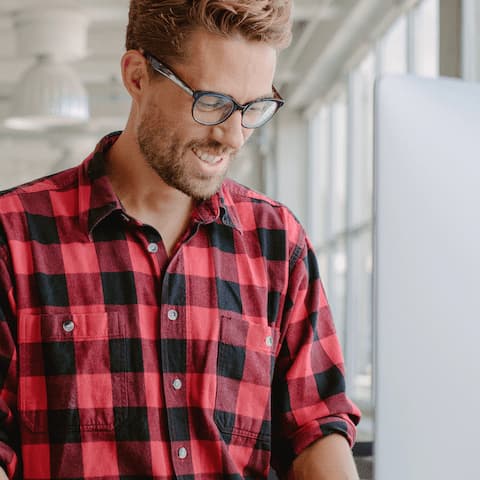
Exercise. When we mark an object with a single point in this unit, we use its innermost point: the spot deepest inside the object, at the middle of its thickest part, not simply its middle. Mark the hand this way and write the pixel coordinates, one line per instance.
(3, 475)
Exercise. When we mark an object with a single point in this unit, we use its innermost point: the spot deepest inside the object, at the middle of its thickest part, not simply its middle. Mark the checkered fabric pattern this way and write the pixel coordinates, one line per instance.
(119, 362)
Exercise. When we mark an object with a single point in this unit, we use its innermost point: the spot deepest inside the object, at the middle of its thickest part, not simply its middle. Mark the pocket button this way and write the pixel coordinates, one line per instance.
(68, 326)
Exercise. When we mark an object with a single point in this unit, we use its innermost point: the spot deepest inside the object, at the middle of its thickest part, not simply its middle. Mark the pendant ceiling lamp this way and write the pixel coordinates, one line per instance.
(48, 95)
(50, 92)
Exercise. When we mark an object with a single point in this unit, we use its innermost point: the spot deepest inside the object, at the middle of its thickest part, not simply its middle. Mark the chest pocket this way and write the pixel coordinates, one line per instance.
(245, 365)
(67, 377)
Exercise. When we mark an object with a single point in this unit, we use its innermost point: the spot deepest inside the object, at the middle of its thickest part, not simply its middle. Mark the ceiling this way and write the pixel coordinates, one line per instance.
(326, 33)
(316, 22)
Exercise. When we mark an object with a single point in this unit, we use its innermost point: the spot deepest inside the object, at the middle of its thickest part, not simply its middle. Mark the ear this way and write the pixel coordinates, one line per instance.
(134, 73)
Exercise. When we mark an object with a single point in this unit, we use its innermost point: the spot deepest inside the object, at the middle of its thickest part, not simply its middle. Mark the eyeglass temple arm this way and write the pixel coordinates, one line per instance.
(166, 72)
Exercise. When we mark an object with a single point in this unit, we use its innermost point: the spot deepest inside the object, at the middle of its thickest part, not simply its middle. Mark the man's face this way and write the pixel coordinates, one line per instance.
(190, 157)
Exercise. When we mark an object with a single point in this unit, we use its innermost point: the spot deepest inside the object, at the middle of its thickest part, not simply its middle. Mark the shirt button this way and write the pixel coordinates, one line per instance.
(177, 384)
(182, 453)
(68, 325)
(152, 248)
(172, 314)
(269, 341)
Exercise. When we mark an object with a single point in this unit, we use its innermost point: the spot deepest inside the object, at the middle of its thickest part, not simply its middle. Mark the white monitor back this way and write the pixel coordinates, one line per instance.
(427, 279)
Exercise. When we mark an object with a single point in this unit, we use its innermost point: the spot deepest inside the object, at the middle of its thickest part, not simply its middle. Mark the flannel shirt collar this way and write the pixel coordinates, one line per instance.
(215, 209)
(97, 200)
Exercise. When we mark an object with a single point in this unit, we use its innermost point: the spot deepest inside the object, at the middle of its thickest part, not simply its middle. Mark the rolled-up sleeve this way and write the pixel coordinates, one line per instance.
(309, 400)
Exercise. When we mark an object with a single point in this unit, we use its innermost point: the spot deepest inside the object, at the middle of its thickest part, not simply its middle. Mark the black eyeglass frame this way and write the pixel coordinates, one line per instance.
(167, 72)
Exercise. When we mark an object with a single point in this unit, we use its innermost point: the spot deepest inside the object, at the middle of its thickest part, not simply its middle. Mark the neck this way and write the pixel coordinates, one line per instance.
(143, 194)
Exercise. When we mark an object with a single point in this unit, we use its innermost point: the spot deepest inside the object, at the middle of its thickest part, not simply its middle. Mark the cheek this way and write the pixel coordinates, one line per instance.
(172, 117)
(158, 107)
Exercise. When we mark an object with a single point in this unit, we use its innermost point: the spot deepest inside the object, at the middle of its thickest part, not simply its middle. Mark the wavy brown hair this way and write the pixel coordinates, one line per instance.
(162, 26)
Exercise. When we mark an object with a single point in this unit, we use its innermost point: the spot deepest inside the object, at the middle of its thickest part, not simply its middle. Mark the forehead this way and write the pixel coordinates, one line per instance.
(241, 68)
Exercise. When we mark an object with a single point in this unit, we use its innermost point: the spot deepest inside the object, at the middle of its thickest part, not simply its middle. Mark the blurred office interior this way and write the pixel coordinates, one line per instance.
(316, 156)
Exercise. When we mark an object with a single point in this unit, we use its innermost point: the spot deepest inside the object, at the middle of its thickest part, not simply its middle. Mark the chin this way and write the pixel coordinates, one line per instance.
(205, 193)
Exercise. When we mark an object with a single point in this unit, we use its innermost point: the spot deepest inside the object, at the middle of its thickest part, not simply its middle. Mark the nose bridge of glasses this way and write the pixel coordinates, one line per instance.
(227, 118)
(243, 109)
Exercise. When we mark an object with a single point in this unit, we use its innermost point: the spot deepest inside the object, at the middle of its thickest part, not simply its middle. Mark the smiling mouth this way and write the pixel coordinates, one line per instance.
(207, 157)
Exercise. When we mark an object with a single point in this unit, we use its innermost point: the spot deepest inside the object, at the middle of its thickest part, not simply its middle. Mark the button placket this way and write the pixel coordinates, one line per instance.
(173, 356)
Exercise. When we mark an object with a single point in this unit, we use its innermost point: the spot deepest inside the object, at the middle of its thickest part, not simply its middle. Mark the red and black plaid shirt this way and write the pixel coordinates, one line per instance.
(117, 362)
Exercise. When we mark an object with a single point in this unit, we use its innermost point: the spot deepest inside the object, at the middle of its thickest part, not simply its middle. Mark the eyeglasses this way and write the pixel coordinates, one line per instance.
(212, 108)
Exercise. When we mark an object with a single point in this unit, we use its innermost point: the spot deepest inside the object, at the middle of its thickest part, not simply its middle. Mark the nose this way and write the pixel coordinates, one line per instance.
(231, 133)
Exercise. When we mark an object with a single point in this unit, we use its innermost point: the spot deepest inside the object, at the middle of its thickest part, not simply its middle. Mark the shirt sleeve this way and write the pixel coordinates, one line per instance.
(308, 396)
(8, 370)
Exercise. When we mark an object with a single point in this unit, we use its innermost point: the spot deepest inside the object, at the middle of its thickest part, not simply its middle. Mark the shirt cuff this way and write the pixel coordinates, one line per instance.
(318, 429)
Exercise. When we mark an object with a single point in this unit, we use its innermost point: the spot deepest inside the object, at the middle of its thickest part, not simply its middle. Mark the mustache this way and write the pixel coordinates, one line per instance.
(213, 147)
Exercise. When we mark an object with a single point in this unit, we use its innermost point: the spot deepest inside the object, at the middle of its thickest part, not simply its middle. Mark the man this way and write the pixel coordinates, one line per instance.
(156, 320)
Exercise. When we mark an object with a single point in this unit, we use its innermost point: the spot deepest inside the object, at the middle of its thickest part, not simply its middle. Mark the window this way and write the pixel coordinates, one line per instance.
(328, 156)
(319, 173)
(338, 179)
(425, 38)
(393, 48)
(361, 84)
(341, 187)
